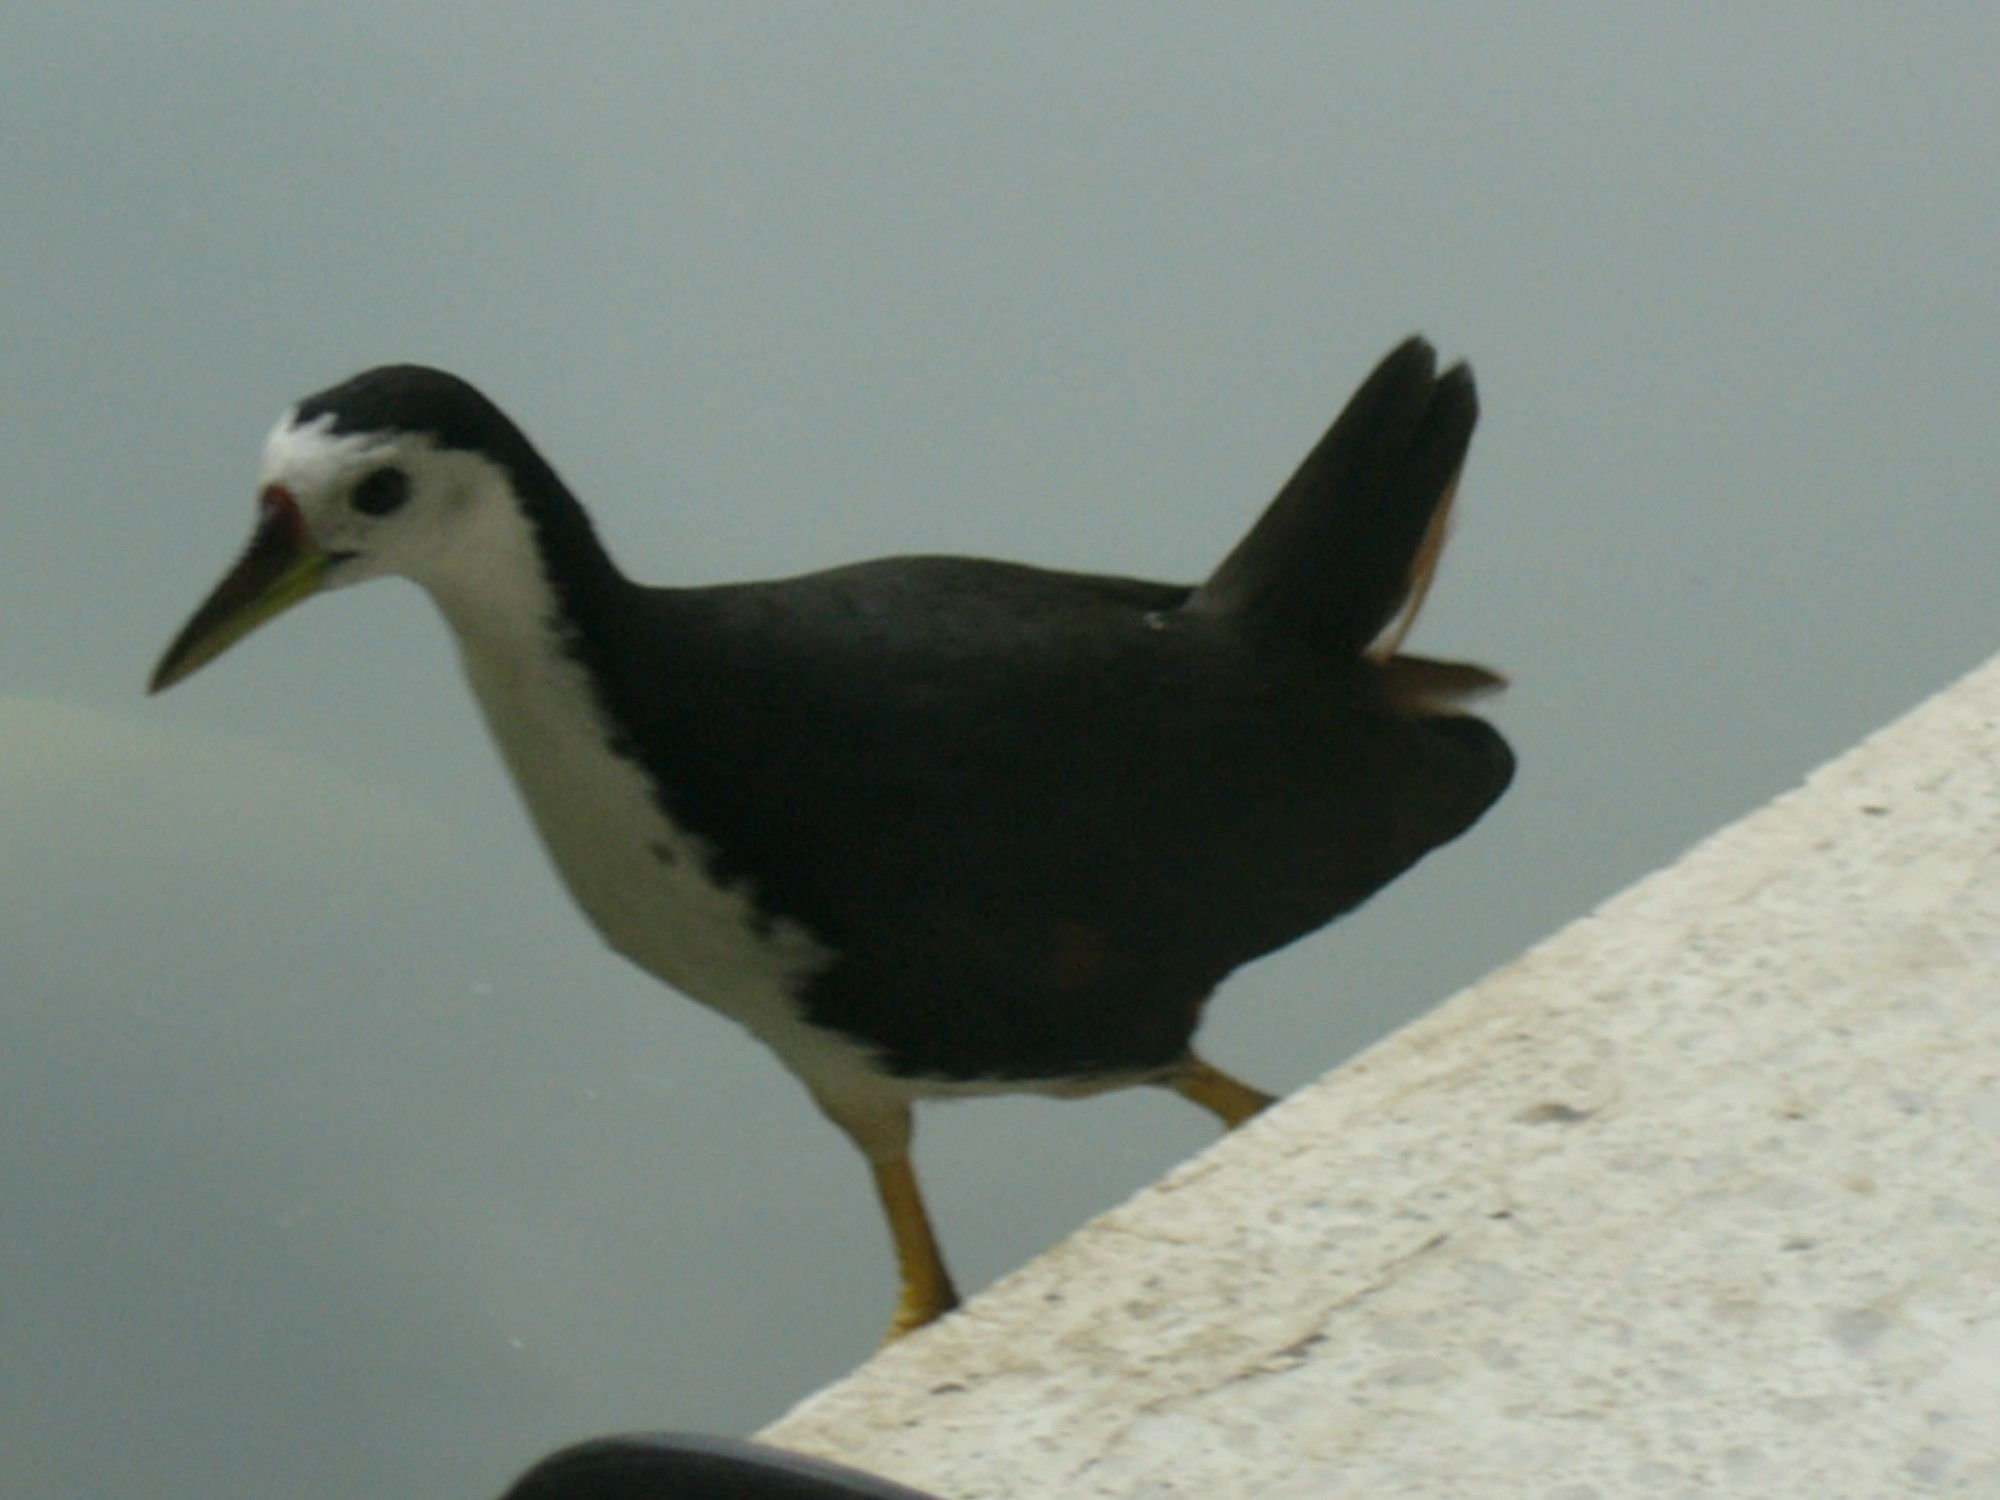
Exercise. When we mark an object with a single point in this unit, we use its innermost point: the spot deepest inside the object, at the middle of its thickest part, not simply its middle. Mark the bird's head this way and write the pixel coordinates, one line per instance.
(402, 470)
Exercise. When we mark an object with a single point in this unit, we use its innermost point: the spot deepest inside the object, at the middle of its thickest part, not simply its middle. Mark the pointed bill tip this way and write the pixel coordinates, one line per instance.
(281, 566)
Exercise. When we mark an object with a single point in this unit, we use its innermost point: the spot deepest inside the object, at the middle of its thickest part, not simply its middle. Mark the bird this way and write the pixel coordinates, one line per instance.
(926, 826)
(694, 1466)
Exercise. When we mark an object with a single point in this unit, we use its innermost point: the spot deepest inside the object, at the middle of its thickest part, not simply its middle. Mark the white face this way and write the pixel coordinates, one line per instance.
(334, 509)
(386, 503)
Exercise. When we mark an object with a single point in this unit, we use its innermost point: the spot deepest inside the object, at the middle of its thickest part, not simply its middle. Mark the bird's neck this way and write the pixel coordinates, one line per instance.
(532, 599)
(552, 641)
(527, 579)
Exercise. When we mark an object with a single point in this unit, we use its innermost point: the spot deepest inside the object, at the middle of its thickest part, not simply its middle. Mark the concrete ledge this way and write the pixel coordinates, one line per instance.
(1700, 1196)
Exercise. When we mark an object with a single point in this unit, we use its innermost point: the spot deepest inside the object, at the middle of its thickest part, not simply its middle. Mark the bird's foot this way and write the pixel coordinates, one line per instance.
(927, 1293)
(917, 1306)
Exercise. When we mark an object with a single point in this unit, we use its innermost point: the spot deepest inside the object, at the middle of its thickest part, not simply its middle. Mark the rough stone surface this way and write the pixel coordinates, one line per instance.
(1699, 1197)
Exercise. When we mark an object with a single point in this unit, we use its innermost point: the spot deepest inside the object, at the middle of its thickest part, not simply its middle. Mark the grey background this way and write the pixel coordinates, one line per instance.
(336, 1156)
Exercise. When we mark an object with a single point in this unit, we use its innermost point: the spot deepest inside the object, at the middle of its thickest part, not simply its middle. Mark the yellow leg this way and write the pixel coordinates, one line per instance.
(1229, 1100)
(927, 1290)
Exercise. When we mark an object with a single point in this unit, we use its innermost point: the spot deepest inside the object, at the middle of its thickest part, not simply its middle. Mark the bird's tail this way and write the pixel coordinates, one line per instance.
(1341, 560)
(1420, 685)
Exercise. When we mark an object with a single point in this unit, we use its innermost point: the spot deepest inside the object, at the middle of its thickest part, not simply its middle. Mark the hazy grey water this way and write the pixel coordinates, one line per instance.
(336, 1156)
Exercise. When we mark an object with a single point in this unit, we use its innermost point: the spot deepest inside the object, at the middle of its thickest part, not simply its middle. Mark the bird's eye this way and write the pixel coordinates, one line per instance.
(382, 492)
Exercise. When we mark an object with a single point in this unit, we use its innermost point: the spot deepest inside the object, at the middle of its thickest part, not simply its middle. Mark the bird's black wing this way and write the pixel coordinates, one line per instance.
(1038, 815)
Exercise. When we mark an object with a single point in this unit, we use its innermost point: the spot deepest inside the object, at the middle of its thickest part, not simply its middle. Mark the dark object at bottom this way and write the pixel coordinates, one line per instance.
(688, 1466)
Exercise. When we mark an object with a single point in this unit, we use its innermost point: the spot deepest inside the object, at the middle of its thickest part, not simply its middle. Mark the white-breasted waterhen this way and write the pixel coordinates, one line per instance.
(927, 826)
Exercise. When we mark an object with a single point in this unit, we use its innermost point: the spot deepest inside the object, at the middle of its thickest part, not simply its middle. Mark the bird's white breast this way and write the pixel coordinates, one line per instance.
(643, 881)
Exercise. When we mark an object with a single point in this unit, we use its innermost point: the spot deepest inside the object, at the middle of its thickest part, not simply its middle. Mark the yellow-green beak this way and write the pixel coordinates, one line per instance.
(281, 566)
